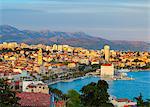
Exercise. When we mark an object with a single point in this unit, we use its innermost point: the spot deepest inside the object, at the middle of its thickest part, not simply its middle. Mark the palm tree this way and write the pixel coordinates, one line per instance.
(139, 100)
(57, 93)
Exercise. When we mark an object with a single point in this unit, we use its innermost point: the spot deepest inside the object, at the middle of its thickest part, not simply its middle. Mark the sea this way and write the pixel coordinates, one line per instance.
(117, 88)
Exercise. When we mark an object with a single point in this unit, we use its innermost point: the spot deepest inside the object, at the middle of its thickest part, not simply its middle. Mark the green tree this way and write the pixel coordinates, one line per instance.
(73, 99)
(95, 66)
(95, 95)
(57, 92)
(7, 97)
(81, 67)
(147, 103)
(139, 99)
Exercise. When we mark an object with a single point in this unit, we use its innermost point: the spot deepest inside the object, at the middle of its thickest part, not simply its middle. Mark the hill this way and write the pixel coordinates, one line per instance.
(77, 39)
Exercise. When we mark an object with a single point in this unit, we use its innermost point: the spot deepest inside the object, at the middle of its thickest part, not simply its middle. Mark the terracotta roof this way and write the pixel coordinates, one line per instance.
(34, 99)
(123, 100)
(59, 103)
(17, 82)
(106, 64)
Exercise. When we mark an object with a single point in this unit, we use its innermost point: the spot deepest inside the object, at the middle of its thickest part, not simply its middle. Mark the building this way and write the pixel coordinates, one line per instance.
(15, 86)
(40, 57)
(84, 61)
(71, 65)
(59, 104)
(30, 99)
(60, 47)
(107, 70)
(55, 47)
(94, 62)
(123, 102)
(107, 52)
(35, 86)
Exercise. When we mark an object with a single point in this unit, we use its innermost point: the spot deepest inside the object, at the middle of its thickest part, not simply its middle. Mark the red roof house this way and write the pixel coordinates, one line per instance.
(30, 99)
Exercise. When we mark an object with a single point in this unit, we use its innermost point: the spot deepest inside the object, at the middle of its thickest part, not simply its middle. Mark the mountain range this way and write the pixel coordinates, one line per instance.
(77, 39)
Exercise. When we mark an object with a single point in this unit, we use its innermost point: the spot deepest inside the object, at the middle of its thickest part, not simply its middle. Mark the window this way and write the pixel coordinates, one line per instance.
(32, 90)
(16, 87)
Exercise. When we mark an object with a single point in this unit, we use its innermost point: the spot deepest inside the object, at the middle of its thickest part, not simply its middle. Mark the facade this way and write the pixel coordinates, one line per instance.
(15, 86)
(71, 65)
(107, 70)
(107, 52)
(60, 47)
(94, 62)
(84, 61)
(40, 57)
(35, 86)
(55, 47)
(123, 102)
(59, 104)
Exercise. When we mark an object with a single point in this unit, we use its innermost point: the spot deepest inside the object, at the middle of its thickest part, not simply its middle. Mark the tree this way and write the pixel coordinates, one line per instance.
(139, 100)
(1, 59)
(95, 66)
(87, 96)
(95, 95)
(103, 95)
(57, 92)
(58, 95)
(81, 67)
(73, 99)
(147, 103)
(7, 97)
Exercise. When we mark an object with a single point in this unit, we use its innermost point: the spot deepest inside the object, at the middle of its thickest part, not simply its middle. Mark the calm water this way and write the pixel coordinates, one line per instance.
(120, 88)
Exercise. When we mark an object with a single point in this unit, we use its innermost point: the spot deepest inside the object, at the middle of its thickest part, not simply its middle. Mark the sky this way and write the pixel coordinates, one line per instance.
(109, 19)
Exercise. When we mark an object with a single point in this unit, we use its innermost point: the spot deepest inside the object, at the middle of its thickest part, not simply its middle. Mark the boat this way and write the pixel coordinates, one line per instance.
(82, 77)
(124, 74)
(123, 70)
(95, 76)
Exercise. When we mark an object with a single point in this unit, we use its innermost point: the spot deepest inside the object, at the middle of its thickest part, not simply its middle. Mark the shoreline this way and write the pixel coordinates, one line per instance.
(69, 80)
(73, 79)
(138, 70)
(111, 92)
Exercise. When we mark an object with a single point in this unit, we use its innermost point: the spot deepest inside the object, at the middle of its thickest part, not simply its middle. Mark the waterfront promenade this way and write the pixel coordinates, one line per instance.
(120, 89)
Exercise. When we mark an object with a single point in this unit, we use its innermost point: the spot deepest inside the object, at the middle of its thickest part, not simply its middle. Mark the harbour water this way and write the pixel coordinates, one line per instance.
(119, 88)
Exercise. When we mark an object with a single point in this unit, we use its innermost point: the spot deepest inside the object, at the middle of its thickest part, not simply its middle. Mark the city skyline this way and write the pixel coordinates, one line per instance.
(75, 53)
(114, 20)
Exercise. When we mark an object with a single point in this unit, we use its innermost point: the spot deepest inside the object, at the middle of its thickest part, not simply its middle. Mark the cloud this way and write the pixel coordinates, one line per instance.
(110, 17)
(78, 6)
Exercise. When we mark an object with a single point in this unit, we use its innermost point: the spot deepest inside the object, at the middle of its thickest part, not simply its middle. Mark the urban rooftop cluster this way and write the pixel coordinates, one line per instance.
(30, 68)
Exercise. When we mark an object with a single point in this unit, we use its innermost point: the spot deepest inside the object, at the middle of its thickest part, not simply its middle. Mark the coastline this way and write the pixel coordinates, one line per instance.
(69, 80)
(138, 70)
(115, 85)
(73, 79)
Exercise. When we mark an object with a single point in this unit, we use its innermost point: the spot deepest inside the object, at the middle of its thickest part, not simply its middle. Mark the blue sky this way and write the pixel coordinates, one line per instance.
(110, 19)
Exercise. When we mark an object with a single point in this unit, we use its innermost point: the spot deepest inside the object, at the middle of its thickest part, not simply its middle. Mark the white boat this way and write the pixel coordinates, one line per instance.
(123, 70)
(82, 77)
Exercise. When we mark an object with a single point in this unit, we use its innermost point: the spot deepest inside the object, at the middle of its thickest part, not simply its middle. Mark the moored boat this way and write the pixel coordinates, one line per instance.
(123, 70)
